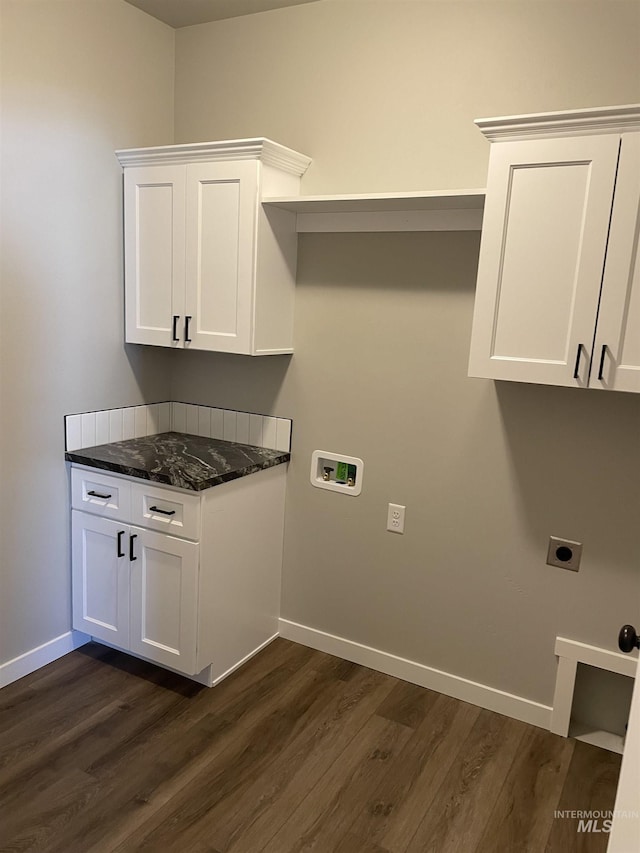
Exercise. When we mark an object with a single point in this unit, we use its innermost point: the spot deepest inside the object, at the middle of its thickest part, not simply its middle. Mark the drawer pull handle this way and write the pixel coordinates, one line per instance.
(131, 538)
(120, 535)
(163, 511)
(98, 495)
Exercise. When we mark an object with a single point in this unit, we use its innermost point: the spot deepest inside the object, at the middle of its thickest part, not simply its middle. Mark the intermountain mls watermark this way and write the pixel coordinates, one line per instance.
(595, 820)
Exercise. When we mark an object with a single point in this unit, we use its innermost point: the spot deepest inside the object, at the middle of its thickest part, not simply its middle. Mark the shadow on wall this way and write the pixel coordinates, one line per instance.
(418, 260)
(574, 456)
(150, 368)
(346, 304)
(242, 382)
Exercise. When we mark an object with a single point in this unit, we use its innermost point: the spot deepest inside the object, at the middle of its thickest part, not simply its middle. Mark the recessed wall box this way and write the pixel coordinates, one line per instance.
(564, 553)
(325, 466)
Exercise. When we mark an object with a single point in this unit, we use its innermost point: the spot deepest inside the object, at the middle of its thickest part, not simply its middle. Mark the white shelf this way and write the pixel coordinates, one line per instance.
(450, 210)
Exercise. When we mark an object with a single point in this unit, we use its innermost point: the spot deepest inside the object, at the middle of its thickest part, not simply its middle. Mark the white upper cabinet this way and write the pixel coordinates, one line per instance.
(206, 266)
(220, 255)
(558, 292)
(154, 237)
(617, 343)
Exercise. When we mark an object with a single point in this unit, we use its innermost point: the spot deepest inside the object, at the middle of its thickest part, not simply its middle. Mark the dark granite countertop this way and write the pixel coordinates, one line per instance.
(180, 460)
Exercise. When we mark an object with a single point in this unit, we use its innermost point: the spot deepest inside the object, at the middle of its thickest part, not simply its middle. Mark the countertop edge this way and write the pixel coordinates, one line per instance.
(77, 457)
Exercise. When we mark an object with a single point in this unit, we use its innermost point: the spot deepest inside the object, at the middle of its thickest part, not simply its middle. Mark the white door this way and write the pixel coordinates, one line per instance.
(164, 599)
(100, 574)
(617, 344)
(221, 223)
(625, 832)
(544, 239)
(154, 211)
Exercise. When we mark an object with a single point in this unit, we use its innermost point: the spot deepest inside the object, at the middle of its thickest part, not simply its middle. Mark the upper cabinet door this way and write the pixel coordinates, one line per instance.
(154, 209)
(221, 223)
(544, 240)
(617, 345)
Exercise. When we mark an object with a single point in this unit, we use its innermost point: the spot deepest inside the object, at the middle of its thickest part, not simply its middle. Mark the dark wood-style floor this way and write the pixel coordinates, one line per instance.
(297, 751)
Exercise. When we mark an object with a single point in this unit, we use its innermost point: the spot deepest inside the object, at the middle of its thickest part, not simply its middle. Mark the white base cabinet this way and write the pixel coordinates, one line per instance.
(558, 291)
(136, 589)
(200, 603)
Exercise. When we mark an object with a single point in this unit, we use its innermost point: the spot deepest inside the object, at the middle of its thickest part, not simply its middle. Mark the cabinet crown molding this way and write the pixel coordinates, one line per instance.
(266, 150)
(564, 123)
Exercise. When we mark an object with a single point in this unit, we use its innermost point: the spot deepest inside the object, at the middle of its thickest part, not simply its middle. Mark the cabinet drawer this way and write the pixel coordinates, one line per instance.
(165, 510)
(100, 494)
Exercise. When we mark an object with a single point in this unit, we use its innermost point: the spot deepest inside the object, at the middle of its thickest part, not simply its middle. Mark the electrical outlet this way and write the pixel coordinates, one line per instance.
(395, 518)
(564, 553)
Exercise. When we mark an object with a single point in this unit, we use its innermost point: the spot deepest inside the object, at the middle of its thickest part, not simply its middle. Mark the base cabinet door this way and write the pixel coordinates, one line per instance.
(100, 577)
(164, 599)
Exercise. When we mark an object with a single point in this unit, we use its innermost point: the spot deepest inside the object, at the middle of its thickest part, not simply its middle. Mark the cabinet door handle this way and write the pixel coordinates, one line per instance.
(187, 320)
(577, 367)
(174, 334)
(602, 357)
(163, 511)
(98, 495)
(120, 535)
(131, 538)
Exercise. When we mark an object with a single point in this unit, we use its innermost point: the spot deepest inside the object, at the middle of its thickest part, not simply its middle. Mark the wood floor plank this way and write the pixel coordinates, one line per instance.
(297, 750)
(81, 742)
(138, 777)
(408, 704)
(269, 802)
(457, 816)
(325, 815)
(38, 820)
(590, 786)
(38, 769)
(126, 721)
(20, 697)
(343, 670)
(227, 799)
(53, 717)
(390, 816)
(536, 775)
(157, 709)
(353, 844)
(44, 687)
(226, 706)
(219, 789)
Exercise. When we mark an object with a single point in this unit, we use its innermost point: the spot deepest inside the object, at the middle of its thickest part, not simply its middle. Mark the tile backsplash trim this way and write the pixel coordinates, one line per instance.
(92, 428)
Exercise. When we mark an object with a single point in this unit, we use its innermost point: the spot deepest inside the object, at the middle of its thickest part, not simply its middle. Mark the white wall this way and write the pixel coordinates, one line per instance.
(383, 95)
(79, 79)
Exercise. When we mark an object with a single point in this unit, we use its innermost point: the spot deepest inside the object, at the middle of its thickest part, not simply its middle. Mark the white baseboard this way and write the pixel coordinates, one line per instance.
(27, 663)
(417, 673)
